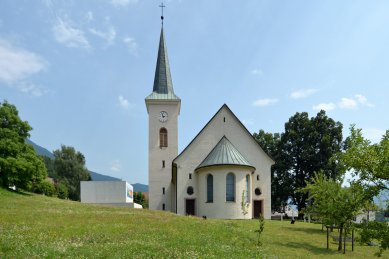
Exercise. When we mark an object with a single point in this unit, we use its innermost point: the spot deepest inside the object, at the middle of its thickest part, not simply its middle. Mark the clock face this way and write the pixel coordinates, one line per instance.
(163, 116)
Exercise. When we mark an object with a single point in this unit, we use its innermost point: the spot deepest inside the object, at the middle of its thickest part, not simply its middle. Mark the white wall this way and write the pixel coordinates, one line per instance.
(104, 191)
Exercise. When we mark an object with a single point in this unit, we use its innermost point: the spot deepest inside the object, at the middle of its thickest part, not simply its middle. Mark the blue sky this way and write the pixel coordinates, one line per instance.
(78, 71)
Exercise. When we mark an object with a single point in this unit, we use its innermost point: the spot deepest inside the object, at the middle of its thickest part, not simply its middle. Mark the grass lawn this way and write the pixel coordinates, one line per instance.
(38, 226)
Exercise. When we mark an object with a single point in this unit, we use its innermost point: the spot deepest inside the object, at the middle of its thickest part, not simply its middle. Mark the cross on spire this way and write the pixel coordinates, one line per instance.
(162, 6)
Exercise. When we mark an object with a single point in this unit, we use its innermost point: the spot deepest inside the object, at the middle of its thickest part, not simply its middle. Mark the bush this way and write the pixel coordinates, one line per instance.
(46, 188)
(62, 191)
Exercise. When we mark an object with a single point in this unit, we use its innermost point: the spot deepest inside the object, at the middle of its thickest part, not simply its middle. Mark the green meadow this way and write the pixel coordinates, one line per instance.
(38, 226)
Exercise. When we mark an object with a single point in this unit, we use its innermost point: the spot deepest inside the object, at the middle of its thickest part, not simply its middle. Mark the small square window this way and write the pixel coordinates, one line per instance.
(190, 176)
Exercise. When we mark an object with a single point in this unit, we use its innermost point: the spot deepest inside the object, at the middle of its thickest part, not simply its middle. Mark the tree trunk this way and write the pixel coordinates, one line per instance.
(340, 237)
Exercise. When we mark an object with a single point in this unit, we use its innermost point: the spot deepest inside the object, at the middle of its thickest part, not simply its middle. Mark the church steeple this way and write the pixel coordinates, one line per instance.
(163, 85)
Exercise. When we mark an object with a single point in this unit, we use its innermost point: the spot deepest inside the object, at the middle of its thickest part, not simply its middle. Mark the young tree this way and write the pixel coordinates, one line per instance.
(69, 165)
(19, 165)
(244, 205)
(334, 204)
(140, 199)
(370, 162)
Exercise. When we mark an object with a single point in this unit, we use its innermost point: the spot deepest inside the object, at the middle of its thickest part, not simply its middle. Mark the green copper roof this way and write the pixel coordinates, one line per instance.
(163, 86)
(224, 153)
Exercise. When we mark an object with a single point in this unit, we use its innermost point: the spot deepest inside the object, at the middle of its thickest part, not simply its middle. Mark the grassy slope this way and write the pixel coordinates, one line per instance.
(38, 226)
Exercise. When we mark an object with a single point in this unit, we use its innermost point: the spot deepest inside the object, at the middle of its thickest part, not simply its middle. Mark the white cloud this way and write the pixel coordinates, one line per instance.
(124, 103)
(131, 45)
(122, 3)
(324, 106)
(116, 166)
(265, 102)
(247, 122)
(257, 71)
(347, 103)
(17, 65)
(70, 36)
(108, 36)
(303, 93)
(373, 134)
(89, 16)
(363, 100)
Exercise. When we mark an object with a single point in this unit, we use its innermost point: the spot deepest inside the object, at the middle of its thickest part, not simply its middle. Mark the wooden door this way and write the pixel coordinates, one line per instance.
(190, 207)
(257, 209)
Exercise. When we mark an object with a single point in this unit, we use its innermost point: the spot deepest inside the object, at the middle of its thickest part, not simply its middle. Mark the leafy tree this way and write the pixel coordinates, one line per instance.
(45, 187)
(141, 199)
(62, 190)
(19, 165)
(306, 147)
(334, 204)
(374, 230)
(69, 165)
(370, 162)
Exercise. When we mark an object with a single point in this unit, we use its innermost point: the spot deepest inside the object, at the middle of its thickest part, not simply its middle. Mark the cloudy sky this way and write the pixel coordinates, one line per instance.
(78, 71)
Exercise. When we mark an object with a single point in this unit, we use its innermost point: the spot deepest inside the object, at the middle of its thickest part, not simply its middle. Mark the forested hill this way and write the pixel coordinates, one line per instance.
(138, 187)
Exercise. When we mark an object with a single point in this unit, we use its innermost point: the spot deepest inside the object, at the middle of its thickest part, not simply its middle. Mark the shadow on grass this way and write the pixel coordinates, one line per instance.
(20, 192)
(306, 230)
(311, 248)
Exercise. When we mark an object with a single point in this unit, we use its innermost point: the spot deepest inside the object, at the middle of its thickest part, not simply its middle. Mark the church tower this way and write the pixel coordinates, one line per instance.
(163, 108)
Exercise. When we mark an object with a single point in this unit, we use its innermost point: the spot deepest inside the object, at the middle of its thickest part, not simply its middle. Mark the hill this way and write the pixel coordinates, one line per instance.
(138, 187)
(40, 150)
(38, 226)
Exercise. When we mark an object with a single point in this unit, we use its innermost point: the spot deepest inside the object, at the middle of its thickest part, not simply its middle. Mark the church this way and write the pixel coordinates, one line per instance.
(222, 173)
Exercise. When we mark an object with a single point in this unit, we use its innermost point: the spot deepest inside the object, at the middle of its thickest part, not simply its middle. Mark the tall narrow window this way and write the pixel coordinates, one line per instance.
(190, 176)
(209, 188)
(163, 163)
(230, 187)
(163, 206)
(163, 137)
(257, 177)
(247, 188)
(163, 190)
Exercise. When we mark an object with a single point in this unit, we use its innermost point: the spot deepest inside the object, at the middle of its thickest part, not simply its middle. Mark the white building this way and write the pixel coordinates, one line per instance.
(210, 175)
(116, 193)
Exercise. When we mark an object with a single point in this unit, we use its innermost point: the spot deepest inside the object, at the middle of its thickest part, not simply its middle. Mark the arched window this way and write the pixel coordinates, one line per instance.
(163, 137)
(247, 188)
(210, 188)
(230, 187)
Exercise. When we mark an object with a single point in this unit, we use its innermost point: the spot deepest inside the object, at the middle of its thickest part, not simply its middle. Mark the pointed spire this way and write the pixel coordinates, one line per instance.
(162, 80)
(163, 86)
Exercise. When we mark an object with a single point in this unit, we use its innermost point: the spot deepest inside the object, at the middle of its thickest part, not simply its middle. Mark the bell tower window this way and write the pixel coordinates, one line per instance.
(163, 137)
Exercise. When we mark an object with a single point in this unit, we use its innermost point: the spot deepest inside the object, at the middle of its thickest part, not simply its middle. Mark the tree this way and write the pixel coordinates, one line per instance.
(244, 205)
(140, 199)
(19, 165)
(334, 204)
(307, 146)
(369, 162)
(69, 165)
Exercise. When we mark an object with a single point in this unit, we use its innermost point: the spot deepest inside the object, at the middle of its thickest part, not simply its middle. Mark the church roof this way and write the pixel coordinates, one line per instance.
(163, 86)
(224, 153)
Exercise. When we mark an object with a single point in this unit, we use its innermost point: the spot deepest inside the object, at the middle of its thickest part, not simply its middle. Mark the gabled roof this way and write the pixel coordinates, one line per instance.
(247, 131)
(224, 153)
(163, 86)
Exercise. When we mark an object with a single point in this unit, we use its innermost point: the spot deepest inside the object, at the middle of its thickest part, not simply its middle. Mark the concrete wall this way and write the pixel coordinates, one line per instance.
(224, 123)
(104, 192)
(159, 176)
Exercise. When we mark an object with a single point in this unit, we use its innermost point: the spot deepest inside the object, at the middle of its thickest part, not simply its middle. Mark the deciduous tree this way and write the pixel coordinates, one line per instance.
(19, 165)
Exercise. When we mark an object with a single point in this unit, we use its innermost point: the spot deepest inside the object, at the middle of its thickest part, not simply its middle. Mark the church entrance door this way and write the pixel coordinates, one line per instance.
(257, 209)
(190, 207)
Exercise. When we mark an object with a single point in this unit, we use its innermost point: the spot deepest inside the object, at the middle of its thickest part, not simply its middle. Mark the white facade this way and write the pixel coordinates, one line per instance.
(224, 123)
